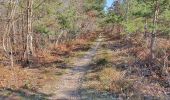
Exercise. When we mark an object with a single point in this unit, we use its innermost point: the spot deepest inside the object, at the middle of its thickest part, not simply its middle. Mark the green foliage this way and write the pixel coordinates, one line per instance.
(113, 18)
(94, 5)
(63, 21)
(133, 17)
(42, 29)
(54, 16)
(139, 9)
(102, 62)
(67, 18)
(132, 26)
(165, 15)
(46, 15)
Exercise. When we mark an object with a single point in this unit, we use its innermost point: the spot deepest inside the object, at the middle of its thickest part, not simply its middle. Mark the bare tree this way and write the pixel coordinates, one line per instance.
(10, 30)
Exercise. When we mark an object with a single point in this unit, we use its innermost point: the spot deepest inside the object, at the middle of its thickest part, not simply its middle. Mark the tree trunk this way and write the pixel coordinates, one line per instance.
(58, 38)
(153, 34)
(29, 48)
(9, 31)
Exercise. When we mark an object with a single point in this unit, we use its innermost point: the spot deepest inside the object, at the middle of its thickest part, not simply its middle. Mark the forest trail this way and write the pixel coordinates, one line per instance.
(69, 86)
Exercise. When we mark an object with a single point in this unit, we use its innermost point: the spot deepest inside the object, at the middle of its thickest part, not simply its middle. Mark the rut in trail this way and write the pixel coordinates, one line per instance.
(69, 85)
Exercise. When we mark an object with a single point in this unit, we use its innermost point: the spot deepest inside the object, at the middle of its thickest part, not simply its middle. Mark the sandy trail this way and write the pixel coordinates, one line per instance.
(70, 83)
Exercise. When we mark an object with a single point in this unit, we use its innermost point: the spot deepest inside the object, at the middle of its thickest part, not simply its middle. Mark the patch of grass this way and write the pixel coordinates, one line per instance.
(17, 77)
(79, 53)
(103, 57)
(22, 94)
(113, 80)
(108, 76)
(104, 74)
(108, 79)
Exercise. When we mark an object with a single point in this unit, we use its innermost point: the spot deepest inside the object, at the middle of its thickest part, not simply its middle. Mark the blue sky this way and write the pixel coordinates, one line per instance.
(108, 3)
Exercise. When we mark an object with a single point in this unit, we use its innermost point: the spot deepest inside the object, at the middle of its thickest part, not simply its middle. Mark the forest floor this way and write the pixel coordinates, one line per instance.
(78, 83)
(73, 84)
(68, 87)
(106, 69)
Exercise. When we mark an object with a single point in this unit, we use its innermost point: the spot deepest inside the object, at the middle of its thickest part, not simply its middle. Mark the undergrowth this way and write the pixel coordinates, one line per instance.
(48, 65)
(125, 69)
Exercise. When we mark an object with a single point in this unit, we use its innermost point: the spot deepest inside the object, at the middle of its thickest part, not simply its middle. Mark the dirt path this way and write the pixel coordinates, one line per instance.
(70, 83)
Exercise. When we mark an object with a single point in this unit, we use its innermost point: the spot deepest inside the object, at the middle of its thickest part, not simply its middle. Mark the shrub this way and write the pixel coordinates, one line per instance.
(102, 61)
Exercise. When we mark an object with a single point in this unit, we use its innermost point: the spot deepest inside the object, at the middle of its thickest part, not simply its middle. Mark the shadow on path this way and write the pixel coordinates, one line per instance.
(22, 94)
